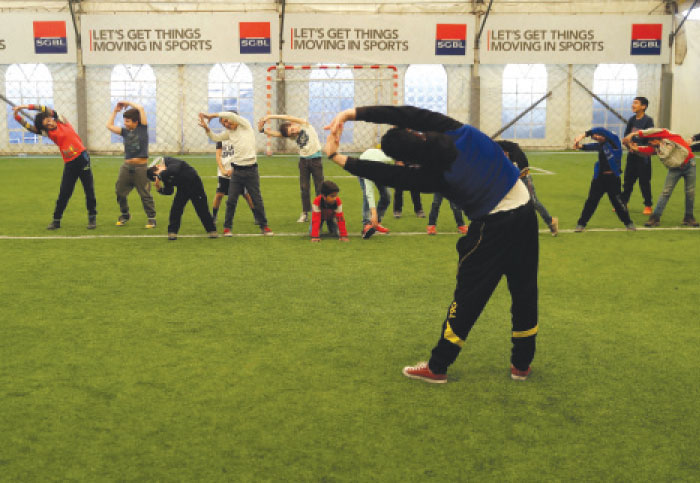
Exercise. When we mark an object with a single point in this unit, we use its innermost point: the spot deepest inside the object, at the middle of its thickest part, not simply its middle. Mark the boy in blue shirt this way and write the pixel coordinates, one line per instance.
(442, 155)
(606, 176)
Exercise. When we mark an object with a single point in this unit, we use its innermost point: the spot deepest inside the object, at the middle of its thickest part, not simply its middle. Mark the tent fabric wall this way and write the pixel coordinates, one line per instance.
(182, 89)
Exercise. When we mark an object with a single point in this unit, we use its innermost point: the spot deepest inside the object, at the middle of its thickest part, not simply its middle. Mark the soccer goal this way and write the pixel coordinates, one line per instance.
(319, 92)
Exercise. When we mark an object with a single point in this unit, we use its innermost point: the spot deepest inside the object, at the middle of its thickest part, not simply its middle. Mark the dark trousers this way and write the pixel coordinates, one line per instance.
(79, 168)
(505, 243)
(604, 183)
(191, 189)
(246, 178)
(637, 168)
(309, 167)
(415, 198)
(435, 211)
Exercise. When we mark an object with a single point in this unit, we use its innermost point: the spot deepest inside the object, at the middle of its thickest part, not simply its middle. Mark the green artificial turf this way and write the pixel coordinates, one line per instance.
(275, 359)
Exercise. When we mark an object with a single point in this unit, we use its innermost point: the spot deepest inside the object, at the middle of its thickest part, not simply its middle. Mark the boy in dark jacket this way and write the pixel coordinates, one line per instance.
(444, 156)
(171, 172)
(638, 165)
(606, 176)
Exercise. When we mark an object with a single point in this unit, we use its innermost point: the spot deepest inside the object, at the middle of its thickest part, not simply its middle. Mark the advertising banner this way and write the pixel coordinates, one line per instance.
(576, 39)
(378, 39)
(191, 38)
(32, 38)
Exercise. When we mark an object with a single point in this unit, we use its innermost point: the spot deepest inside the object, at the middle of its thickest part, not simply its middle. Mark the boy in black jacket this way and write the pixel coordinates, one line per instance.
(170, 172)
(638, 165)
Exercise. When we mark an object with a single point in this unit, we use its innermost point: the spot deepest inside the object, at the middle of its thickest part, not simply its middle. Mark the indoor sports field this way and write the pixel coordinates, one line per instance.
(125, 356)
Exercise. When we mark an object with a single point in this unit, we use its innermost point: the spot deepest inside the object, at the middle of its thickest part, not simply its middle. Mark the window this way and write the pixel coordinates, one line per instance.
(27, 84)
(523, 85)
(694, 14)
(331, 90)
(231, 88)
(426, 86)
(616, 84)
(135, 83)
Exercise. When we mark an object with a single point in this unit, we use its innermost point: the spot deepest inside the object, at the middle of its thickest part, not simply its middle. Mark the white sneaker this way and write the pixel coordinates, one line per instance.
(303, 218)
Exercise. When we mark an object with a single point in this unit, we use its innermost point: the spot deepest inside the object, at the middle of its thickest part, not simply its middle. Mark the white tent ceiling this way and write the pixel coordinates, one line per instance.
(369, 6)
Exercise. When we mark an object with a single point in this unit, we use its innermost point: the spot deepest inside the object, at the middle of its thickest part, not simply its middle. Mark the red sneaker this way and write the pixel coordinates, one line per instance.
(382, 229)
(422, 371)
(463, 229)
(266, 231)
(431, 230)
(517, 374)
(227, 232)
(647, 210)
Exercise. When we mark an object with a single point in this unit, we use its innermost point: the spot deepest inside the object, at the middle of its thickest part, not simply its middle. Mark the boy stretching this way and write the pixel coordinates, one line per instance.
(638, 164)
(132, 173)
(171, 172)
(76, 160)
(310, 163)
(678, 157)
(224, 154)
(244, 163)
(435, 212)
(372, 212)
(327, 208)
(606, 176)
(518, 158)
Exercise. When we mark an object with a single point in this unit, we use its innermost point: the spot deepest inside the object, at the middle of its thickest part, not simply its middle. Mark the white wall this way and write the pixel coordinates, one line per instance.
(685, 110)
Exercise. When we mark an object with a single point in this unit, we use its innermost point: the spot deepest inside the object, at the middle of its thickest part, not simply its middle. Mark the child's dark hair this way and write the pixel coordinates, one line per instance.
(133, 115)
(329, 187)
(151, 173)
(39, 122)
(643, 101)
(284, 129)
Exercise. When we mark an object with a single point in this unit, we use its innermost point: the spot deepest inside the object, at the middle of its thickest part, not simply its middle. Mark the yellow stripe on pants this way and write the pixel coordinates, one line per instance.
(451, 336)
(525, 333)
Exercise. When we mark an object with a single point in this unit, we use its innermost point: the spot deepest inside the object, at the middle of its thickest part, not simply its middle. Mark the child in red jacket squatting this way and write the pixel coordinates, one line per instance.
(328, 208)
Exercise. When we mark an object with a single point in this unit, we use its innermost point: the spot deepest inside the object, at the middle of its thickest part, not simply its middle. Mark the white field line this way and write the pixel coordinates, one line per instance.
(305, 234)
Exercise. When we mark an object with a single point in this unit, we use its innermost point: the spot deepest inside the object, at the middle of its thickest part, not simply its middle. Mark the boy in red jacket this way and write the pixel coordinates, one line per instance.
(76, 160)
(677, 156)
(328, 208)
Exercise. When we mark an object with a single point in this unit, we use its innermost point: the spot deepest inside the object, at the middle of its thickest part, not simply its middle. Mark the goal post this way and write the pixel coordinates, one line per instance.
(318, 92)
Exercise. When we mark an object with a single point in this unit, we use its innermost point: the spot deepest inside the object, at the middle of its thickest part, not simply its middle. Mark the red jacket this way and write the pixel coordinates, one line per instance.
(322, 211)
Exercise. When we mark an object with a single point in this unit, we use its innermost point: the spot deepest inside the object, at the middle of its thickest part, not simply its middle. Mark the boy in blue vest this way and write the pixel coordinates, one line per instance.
(606, 176)
(465, 166)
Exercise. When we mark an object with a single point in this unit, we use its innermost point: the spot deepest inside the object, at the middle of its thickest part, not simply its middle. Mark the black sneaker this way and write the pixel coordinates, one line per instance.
(123, 219)
(54, 225)
(92, 222)
(368, 231)
(690, 221)
(653, 221)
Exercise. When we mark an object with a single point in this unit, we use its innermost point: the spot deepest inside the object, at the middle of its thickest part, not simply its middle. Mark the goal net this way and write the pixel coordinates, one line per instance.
(318, 92)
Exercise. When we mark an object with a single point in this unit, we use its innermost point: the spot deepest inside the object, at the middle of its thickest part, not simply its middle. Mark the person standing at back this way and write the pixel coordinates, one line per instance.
(638, 165)
(310, 164)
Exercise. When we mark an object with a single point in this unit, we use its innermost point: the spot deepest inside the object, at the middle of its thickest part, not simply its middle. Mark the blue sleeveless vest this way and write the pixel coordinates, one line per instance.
(481, 175)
